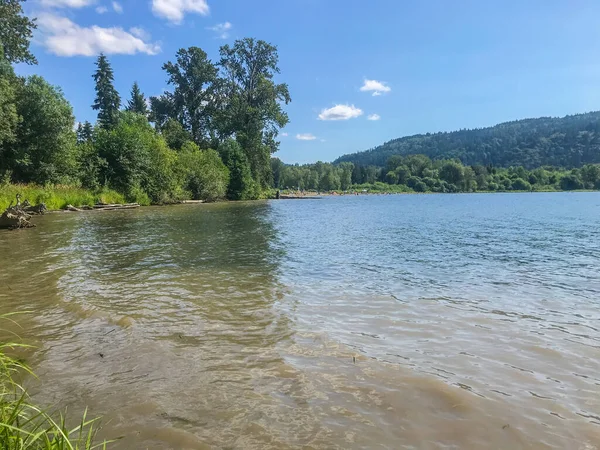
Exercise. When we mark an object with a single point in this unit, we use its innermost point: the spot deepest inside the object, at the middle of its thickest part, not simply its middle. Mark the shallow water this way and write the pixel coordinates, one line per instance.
(414, 321)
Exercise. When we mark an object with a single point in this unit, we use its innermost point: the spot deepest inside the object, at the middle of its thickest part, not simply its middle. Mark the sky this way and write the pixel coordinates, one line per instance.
(359, 72)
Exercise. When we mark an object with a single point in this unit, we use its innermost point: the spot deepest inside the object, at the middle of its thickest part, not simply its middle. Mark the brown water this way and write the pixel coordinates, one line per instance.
(429, 322)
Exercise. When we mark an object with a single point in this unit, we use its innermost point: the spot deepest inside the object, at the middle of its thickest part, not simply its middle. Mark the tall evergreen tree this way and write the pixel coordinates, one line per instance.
(137, 103)
(84, 132)
(107, 100)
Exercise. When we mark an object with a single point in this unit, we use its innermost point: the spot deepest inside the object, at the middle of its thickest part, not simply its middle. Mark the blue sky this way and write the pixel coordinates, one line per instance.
(433, 65)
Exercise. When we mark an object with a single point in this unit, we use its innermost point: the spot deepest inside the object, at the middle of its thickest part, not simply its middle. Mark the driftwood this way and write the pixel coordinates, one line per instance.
(19, 216)
(115, 206)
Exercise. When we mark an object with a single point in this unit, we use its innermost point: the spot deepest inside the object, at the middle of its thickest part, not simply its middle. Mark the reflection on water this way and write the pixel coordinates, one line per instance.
(438, 321)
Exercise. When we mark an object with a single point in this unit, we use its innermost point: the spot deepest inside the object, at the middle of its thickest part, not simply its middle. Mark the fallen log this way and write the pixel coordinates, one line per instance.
(111, 206)
(115, 208)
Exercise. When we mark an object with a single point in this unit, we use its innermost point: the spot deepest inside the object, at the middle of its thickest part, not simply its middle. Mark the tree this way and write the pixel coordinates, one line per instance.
(162, 108)
(174, 134)
(452, 172)
(571, 182)
(16, 30)
(137, 102)
(346, 175)
(107, 100)
(85, 132)
(519, 184)
(9, 118)
(193, 101)
(241, 185)
(254, 112)
(44, 150)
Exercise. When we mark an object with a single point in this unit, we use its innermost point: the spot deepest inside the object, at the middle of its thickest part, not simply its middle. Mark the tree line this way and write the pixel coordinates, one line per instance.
(570, 142)
(211, 136)
(419, 173)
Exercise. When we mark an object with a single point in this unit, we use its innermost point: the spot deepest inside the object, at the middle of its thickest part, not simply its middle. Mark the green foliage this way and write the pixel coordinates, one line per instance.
(520, 184)
(571, 182)
(16, 31)
(107, 100)
(202, 173)
(253, 112)
(241, 184)
(418, 173)
(9, 118)
(193, 101)
(174, 134)
(570, 141)
(137, 102)
(137, 160)
(44, 150)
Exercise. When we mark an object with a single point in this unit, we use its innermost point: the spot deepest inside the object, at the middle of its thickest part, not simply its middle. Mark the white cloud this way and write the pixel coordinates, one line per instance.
(101, 9)
(323, 140)
(284, 135)
(67, 3)
(305, 137)
(340, 112)
(374, 117)
(117, 7)
(377, 87)
(65, 38)
(140, 33)
(222, 29)
(174, 10)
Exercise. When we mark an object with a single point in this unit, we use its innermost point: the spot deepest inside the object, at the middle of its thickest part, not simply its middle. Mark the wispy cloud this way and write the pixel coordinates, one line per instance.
(376, 87)
(175, 10)
(63, 37)
(117, 7)
(222, 29)
(340, 112)
(67, 3)
(101, 9)
(284, 135)
(305, 137)
(374, 117)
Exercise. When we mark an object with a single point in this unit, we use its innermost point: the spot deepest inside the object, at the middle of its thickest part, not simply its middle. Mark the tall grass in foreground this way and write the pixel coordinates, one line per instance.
(24, 426)
(57, 196)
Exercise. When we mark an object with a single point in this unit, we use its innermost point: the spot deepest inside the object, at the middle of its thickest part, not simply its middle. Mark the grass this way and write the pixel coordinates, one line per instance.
(25, 426)
(57, 196)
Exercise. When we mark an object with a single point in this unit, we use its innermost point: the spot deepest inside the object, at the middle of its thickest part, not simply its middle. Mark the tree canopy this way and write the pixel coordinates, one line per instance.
(16, 31)
(570, 141)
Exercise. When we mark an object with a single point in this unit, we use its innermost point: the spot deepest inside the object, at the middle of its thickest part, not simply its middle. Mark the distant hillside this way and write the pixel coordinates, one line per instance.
(569, 141)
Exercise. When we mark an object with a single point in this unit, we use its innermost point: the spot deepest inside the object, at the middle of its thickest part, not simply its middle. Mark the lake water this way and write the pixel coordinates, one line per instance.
(413, 321)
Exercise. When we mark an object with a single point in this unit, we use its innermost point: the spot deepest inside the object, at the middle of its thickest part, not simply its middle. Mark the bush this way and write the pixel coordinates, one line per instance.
(137, 160)
(202, 173)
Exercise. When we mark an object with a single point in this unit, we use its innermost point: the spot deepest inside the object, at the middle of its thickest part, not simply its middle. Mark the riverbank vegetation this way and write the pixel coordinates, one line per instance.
(209, 137)
(24, 425)
(419, 173)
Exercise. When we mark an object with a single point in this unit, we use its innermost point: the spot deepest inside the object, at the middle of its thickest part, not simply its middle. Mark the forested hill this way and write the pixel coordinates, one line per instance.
(569, 141)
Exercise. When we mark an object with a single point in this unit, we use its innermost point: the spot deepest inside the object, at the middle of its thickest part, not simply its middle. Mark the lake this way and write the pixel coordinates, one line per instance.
(410, 321)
